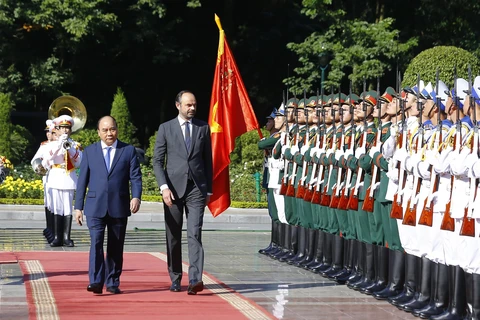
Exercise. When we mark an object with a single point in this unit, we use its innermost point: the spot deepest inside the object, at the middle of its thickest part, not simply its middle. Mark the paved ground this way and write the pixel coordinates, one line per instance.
(231, 242)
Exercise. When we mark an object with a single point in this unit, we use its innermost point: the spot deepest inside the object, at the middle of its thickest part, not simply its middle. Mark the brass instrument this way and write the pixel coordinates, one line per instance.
(38, 167)
(71, 106)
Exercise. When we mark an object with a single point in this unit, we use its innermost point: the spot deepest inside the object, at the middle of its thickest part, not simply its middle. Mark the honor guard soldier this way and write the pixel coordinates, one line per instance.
(287, 140)
(267, 144)
(39, 169)
(62, 157)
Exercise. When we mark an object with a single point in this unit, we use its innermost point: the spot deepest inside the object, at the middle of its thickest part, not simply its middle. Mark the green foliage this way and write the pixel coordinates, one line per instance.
(246, 155)
(22, 201)
(149, 181)
(48, 76)
(21, 142)
(358, 49)
(86, 137)
(252, 205)
(151, 147)
(243, 187)
(445, 58)
(126, 129)
(5, 126)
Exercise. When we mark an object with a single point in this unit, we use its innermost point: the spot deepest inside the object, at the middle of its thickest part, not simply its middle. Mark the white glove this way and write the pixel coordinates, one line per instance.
(431, 156)
(282, 137)
(284, 147)
(400, 155)
(338, 154)
(470, 160)
(313, 151)
(348, 153)
(393, 130)
(359, 152)
(393, 175)
(294, 149)
(373, 150)
(63, 137)
(423, 170)
(304, 149)
(329, 152)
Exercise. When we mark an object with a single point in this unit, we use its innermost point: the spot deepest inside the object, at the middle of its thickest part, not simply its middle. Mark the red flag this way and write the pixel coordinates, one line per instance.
(231, 115)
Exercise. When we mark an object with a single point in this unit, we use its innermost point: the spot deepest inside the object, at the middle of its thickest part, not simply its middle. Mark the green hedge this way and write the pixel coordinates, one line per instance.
(235, 204)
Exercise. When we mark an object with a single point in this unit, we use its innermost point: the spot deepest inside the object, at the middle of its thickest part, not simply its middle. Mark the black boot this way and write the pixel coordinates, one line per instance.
(396, 275)
(354, 281)
(272, 237)
(423, 298)
(327, 254)
(318, 254)
(46, 231)
(301, 243)
(292, 244)
(50, 236)
(412, 273)
(337, 263)
(58, 231)
(282, 246)
(310, 249)
(344, 275)
(457, 304)
(357, 271)
(381, 271)
(473, 295)
(439, 300)
(67, 229)
(369, 272)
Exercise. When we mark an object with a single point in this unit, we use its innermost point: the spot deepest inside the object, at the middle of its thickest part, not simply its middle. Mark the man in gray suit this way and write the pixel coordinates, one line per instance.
(182, 162)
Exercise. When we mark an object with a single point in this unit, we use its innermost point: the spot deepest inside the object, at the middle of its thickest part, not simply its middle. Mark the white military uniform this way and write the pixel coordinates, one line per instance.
(62, 178)
(47, 196)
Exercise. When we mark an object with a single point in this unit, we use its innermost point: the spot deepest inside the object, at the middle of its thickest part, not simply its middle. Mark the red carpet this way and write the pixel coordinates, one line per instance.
(56, 289)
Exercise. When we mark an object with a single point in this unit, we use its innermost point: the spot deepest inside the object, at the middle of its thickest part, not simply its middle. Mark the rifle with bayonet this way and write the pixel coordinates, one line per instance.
(368, 203)
(343, 204)
(353, 200)
(448, 223)
(410, 217)
(313, 177)
(293, 150)
(426, 218)
(468, 223)
(397, 209)
(301, 184)
(325, 198)
(317, 193)
(339, 148)
(284, 184)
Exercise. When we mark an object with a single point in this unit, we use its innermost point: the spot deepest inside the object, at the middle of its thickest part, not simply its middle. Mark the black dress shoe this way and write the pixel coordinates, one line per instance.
(95, 288)
(176, 287)
(194, 287)
(114, 290)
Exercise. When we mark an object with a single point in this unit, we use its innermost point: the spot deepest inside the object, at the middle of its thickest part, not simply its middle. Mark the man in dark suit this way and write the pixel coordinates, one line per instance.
(106, 170)
(182, 161)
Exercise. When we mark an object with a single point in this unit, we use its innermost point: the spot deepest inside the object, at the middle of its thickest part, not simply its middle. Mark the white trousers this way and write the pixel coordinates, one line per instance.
(62, 201)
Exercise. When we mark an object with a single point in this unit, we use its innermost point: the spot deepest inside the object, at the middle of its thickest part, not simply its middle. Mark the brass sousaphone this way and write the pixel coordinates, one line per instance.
(71, 106)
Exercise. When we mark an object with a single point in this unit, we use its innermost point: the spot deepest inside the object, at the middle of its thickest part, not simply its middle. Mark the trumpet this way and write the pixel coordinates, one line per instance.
(38, 167)
(67, 144)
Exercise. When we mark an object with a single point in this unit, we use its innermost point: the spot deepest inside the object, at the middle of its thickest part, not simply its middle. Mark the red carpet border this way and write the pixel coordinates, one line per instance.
(56, 289)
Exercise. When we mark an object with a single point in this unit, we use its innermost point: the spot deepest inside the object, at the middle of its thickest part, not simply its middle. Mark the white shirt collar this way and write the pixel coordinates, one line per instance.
(182, 121)
(114, 145)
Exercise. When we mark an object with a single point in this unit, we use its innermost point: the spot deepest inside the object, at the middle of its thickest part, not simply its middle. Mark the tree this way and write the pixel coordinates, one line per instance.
(21, 143)
(5, 126)
(125, 127)
(445, 58)
(359, 49)
(86, 137)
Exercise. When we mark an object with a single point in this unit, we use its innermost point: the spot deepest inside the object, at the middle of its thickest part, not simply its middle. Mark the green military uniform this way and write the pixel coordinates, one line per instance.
(267, 144)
